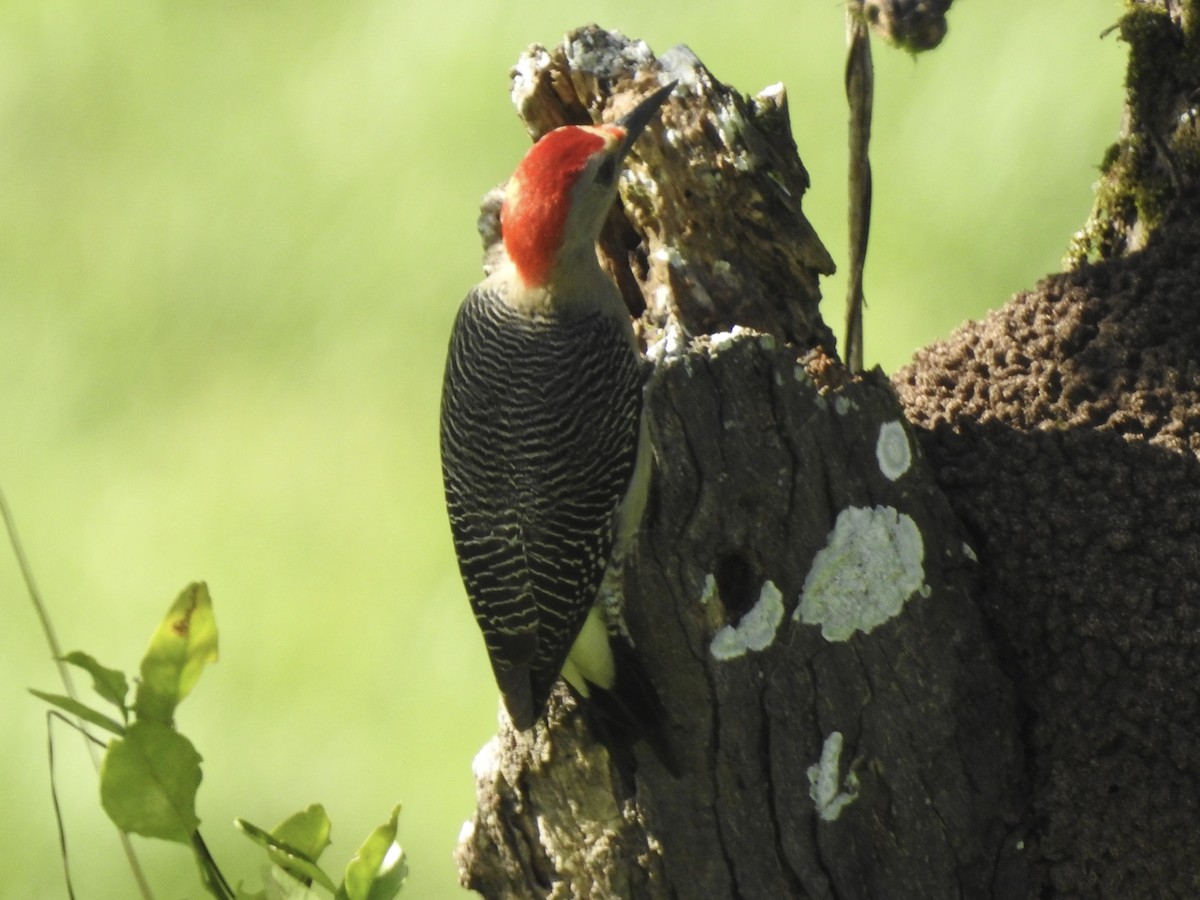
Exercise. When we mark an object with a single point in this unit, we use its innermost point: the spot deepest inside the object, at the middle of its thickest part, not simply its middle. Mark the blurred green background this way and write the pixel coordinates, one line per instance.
(232, 238)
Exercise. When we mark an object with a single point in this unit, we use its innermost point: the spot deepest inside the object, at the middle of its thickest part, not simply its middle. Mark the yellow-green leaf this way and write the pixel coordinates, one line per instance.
(307, 831)
(184, 643)
(148, 782)
(108, 683)
(379, 868)
(296, 859)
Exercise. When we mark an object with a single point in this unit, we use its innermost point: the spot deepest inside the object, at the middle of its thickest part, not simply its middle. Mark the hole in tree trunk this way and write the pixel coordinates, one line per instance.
(737, 584)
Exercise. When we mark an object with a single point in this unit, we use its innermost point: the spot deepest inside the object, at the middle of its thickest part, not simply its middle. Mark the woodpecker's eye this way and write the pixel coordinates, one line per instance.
(607, 171)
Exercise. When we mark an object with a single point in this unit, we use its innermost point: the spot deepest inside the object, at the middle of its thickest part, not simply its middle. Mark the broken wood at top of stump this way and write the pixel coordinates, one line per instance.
(710, 228)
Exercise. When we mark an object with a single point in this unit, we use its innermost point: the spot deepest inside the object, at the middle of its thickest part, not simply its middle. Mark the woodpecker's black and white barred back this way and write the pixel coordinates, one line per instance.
(543, 456)
(536, 462)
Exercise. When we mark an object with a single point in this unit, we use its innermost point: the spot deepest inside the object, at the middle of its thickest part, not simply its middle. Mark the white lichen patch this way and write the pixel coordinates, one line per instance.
(671, 343)
(487, 761)
(824, 785)
(730, 125)
(467, 832)
(739, 332)
(843, 405)
(719, 339)
(756, 630)
(773, 94)
(872, 562)
(969, 552)
(606, 58)
(526, 73)
(669, 255)
(680, 64)
(708, 592)
(893, 450)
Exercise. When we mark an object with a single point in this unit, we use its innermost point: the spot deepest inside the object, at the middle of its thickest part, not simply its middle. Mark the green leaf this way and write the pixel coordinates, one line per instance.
(185, 641)
(379, 868)
(307, 831)
(108, 683)
(297, 858)
(75, 708)
(148, 782)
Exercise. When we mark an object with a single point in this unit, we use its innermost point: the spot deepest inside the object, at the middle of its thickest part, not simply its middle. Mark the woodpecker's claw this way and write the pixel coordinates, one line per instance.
(639, 117)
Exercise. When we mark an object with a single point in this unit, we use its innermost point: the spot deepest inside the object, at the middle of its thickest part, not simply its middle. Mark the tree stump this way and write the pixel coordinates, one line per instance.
(801, 594)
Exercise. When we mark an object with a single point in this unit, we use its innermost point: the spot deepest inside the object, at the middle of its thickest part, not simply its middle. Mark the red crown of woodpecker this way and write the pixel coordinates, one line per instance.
(538, 196)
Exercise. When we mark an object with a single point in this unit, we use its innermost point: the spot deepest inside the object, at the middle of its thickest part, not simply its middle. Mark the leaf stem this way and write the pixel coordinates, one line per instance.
(64, 673)
(211, 875)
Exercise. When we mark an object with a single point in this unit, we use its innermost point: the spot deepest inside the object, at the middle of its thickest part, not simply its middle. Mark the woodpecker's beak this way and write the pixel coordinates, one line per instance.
(635, 121)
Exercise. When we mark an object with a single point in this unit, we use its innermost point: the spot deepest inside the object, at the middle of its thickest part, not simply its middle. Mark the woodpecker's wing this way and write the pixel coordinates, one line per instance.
(539, 431)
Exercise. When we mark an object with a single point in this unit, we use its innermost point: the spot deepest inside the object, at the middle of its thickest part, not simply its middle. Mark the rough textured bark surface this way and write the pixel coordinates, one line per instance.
(801, 594)
(842, 726)
(709, 231)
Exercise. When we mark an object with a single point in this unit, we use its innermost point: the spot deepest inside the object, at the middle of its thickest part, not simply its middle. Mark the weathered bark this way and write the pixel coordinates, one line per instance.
(801, 595)
(709, 232)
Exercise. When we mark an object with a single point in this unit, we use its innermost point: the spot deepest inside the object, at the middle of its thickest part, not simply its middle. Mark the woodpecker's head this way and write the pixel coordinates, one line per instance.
(557, 200)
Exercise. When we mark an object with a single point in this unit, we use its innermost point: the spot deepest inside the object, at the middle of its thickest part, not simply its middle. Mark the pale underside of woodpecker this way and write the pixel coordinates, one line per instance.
(541, 417)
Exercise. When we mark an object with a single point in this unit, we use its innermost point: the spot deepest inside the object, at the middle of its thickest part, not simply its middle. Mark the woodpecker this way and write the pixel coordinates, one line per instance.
(544, 458)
